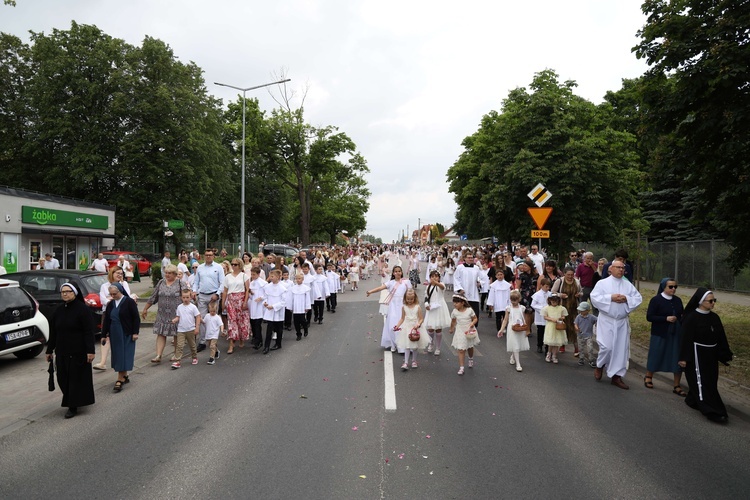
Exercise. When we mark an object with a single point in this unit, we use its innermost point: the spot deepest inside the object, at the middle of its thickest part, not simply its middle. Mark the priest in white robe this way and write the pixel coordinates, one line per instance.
(616, 298)
(467, 279)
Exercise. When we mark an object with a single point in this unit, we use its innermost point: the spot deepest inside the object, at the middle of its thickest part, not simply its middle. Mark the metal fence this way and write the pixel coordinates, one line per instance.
(692, 263)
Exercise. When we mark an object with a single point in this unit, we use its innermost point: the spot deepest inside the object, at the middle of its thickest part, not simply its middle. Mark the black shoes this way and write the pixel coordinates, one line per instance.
(72, 412)
(299, 336)
(201, 347)
(276, 347)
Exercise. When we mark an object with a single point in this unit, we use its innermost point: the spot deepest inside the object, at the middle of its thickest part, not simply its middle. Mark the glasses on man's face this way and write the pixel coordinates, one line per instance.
(712, 301)
(572, 256)
(672, 287)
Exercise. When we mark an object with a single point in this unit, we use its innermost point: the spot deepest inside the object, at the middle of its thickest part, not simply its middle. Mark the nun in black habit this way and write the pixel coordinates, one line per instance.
(71, 339)
(704, 346)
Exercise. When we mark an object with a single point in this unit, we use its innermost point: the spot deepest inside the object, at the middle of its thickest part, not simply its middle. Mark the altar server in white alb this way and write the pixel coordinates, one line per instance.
(468, 278)
(298, 301)
(616, 298)
(274, 305)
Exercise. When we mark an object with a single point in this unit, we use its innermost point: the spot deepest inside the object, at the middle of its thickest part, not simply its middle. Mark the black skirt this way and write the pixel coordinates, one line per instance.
(76, 380)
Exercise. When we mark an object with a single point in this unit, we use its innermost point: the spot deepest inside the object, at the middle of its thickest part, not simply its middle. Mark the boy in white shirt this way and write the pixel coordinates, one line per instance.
(499, 297)
(538, 302)
(298, 303)
(214, 328)
(274, 305)
(255, 305)
(320, 293)
(188, 321)
(309, 282)
(287, 313)
(334, 283)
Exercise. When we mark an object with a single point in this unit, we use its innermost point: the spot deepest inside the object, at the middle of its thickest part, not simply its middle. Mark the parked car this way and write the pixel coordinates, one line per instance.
(144, 265)
(45, 285)
(284, 250)
(23, 328)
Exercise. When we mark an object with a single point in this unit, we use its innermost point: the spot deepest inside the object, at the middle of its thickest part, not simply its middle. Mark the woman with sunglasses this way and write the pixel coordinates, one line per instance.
(665, 314)
(704, 346)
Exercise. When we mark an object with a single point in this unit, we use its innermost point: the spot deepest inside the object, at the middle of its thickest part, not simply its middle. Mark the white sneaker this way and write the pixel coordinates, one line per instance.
(518, 368)
(461, 371)
(429, 348)
(471, 363)
(512, 360)
(404, 367)
(437, 352)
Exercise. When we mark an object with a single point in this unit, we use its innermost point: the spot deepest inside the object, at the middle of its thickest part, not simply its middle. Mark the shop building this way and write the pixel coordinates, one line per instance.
(33, 224)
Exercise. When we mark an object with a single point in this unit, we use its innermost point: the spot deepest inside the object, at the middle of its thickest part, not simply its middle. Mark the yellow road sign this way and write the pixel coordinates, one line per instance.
(540, 233)
(540, 215)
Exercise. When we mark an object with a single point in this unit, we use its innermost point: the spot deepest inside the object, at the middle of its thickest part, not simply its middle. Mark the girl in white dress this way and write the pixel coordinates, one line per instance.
(516, 341)
(354, 272)
(450, 268)
(437, 316)
(462, 319)
(397, 287)
(411, 317)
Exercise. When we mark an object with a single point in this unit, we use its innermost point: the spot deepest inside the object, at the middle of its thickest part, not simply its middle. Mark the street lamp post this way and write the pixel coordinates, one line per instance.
(242, 213)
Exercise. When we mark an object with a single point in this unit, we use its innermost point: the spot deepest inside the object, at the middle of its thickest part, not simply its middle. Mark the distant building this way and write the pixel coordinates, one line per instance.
(450, 235)
(34, 224)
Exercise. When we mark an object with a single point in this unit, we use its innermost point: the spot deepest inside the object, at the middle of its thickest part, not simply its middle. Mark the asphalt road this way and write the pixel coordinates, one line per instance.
(309, 421)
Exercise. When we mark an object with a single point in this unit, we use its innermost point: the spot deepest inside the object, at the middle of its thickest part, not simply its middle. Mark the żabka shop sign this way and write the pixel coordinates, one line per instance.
(52, 217)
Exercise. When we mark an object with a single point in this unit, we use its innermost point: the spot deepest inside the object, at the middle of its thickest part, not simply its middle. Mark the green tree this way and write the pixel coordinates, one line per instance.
(268, 205)
(105, 121)
(702, 48)
(552, 136)
(340, 202)
(15, 112)
(173, 154)
(313, 161)
(78, 100)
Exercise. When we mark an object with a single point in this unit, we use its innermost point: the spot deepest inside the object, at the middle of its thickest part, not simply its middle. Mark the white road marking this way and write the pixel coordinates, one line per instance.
(390, 383)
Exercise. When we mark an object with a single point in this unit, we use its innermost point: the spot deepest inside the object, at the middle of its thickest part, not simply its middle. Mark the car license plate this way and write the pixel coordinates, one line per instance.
(17, 335)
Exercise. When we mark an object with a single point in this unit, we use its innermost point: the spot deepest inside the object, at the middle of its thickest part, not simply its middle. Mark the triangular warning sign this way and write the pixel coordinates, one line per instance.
(540, 216)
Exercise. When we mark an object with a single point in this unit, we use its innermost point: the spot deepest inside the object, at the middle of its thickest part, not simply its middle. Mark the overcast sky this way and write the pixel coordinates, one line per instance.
(406, 80)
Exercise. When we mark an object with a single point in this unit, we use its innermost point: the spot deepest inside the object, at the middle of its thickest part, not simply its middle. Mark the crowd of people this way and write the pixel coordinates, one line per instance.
(584, 305)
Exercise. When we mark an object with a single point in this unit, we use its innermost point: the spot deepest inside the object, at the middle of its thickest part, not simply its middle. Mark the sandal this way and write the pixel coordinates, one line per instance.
(127, 379)
(157, 359)
(678, 390)
(648, 382)
(117, 387)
